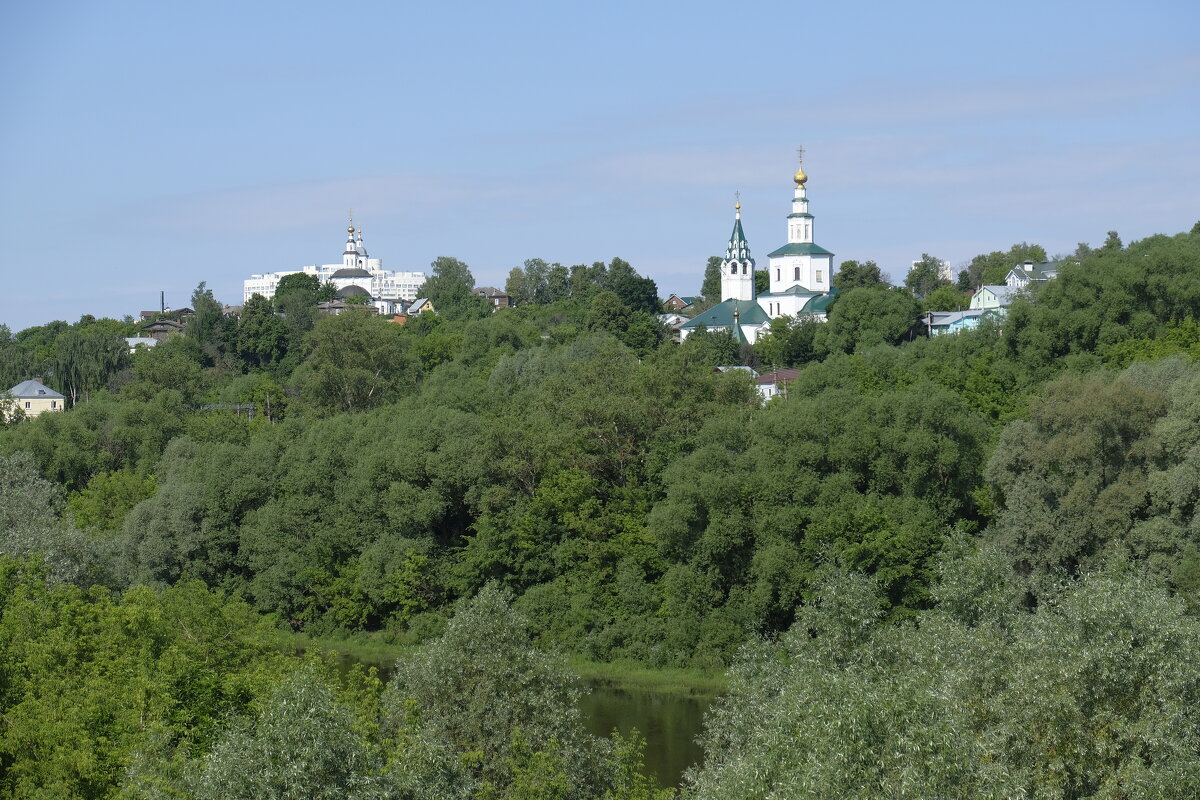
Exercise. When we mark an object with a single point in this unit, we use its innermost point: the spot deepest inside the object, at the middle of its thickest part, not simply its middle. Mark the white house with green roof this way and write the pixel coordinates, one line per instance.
(800, 279)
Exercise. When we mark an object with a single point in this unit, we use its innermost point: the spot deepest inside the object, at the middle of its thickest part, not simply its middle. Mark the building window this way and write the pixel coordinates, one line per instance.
(27, 404)
(777, 278)
(733, 269)
(743, 269)
(797, 274)
(54, 404)
(819, 278)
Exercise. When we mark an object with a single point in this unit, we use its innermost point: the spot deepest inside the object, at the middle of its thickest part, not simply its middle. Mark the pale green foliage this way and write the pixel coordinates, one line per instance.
(31, 523)
(485, 692)
(1093, 696)
(303, 746)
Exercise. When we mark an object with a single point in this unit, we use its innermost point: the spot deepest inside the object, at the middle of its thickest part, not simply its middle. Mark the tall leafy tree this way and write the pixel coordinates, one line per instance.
(356, 361)
(854, 275)
(86, 356)
(1087, 697)
(635, 291)
(867, 317)
(261, 334)
(924, 276)
(711, 288)
(487, 693)
(212, 330)
(449, 289)
(303, 745)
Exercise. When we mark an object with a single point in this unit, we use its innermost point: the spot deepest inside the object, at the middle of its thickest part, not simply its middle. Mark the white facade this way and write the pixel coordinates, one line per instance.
(356, 274)
(801, 270)
(800, 262)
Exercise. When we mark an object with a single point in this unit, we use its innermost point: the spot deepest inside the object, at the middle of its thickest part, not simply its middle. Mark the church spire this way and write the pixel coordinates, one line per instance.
(737, 268)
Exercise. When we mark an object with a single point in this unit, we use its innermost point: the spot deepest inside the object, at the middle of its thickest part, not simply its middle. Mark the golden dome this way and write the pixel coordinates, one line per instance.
(350, 229)
(800, 178)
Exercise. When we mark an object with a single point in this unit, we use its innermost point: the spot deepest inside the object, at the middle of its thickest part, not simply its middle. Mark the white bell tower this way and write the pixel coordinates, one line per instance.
(737, 269)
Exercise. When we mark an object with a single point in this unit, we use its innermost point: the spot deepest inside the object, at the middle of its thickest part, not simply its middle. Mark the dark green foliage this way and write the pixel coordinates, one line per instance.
(788, 343)
(1103, 467)
(1111, 296)
(993, 268)
(868, 480)
(262, 336)
(946, 298)
(635, 291)
(481, 684)
(853, 275)
(710, 289)
(762, 281)
(924, 276)
(355, 361)
(635, 505)
(215, 333)
(862, 318)
(450, 289)
(87, 356)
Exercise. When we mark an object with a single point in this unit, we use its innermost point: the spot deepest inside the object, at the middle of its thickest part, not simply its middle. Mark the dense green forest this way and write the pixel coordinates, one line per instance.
(960, 566)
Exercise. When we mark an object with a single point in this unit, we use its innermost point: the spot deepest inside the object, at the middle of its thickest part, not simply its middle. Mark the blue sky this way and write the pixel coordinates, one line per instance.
(148, 146)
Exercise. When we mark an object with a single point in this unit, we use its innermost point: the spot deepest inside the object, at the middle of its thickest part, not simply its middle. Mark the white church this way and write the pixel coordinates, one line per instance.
(801, 274)
(358, 274)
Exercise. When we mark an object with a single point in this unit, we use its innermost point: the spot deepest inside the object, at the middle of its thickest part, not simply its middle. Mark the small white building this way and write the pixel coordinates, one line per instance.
(34, 398)
(357, 274)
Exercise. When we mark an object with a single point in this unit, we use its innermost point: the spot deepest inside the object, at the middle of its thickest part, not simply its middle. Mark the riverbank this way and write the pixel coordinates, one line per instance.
(368, 650)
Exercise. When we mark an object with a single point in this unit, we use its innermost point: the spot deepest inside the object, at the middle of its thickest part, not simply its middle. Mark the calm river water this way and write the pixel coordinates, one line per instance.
(669, 723)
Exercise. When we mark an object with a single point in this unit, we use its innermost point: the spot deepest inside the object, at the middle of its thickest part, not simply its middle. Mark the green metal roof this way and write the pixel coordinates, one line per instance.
(721, 315)
(799, 214)
(739, 248)
(800, 249)
(818, 304)
(794, 289)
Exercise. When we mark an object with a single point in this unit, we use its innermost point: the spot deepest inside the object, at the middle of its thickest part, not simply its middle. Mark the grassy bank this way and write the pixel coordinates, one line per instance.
(375, 651)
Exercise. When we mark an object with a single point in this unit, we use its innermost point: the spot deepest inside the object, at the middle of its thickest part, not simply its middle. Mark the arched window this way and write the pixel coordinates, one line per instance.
(777, 278)
(733, 268)
(743, 269)
(797, 274)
